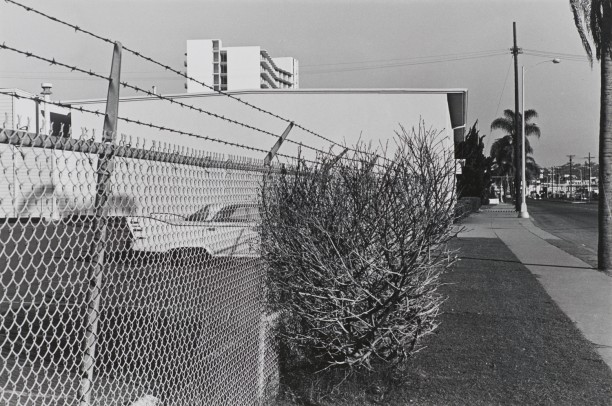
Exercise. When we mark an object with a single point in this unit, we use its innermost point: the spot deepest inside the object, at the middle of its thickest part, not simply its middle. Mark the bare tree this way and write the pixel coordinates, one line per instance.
(355, 248)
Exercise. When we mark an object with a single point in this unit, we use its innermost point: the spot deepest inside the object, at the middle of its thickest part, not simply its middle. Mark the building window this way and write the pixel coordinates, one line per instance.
(224, 80)
(223, 68)
(223, 56)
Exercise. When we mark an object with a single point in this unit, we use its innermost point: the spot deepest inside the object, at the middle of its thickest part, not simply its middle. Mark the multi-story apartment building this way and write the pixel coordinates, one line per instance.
(237, 68)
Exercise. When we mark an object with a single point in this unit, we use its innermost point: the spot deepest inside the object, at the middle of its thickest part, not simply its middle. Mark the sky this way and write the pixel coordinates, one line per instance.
(339, 44)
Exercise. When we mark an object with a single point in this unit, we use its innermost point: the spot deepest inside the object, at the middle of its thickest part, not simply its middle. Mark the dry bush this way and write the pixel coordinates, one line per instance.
(355, 249)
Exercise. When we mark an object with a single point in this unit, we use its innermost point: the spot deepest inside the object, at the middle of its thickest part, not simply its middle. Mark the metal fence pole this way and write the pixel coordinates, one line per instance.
(105, 168)
(277, 145)
(267, 320)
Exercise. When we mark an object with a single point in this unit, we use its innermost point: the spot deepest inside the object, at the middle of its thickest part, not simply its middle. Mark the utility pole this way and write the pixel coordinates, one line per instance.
(517, 125)
(570, 178)
(552, 181)
(589, 185)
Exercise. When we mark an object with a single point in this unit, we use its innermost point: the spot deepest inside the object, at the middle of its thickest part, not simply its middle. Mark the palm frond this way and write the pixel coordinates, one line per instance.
(578, 10)
(503, 124)
(528, 148)
(596, 24)
(532, 129)
(530, 114)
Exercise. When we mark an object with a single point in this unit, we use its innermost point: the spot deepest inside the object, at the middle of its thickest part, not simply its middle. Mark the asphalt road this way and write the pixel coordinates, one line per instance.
(574, 223)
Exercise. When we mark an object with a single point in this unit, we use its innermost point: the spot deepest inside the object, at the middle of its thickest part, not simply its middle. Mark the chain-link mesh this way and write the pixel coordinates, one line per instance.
(139, 282)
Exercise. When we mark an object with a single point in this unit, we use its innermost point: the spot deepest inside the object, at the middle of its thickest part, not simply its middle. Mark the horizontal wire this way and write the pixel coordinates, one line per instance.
(406, 59)
(399, 65)
(129, 120)
(190, 134)
(556, 53)
(565, 57)
(53, 61)
(168, 68)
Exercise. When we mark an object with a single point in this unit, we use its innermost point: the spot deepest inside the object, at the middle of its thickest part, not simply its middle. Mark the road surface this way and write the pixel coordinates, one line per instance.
(574, 223)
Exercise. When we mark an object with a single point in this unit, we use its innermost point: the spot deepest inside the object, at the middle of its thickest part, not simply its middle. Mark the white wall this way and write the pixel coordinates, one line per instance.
(20, 113)
(199, 64)
(243, 68)
(344, 116)
(54, 183)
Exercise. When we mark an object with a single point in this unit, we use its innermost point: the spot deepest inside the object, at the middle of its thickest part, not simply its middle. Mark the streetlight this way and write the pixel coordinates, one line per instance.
(524, 214)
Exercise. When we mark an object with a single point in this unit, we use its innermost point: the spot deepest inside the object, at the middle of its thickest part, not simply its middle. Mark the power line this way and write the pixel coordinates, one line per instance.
(503, 88)
(398, 65)
(564, 56)
(405, 59)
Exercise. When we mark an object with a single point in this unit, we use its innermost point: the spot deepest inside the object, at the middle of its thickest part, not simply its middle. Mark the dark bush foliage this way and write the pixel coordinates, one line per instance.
(465, 206)
(475, 178)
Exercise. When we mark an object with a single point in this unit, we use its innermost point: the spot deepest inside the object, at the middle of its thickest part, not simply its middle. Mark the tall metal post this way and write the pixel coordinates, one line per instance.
(552, 186)
(589, 183)
(105, 168)
(571, 181)
(517, 145)
(524, 214)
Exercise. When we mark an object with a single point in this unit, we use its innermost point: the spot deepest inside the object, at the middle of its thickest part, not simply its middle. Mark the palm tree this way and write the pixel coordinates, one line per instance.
(502, 149)
(595, 18)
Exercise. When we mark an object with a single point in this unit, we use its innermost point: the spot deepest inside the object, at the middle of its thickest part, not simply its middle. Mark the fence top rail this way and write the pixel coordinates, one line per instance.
(159, 153)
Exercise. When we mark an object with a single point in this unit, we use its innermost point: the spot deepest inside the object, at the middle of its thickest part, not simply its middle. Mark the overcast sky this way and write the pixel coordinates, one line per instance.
(339, 44)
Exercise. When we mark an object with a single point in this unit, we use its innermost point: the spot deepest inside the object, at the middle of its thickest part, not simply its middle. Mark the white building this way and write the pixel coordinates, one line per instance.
(237, 68)
(39, 182)
(18, 111)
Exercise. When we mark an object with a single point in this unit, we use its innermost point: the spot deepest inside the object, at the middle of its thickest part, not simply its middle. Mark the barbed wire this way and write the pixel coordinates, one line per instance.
(187, 133)
(169, 68)
(150, 125)
(53, 61)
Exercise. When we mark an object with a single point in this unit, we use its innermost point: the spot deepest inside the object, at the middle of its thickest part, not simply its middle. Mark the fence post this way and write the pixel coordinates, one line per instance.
(277, 145)
(105, 168)
(266, 320)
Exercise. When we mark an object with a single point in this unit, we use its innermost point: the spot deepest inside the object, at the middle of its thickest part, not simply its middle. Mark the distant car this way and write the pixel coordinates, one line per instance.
(215, 231)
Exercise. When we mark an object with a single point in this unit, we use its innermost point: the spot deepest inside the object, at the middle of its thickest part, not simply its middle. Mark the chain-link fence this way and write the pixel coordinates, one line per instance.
(130, 275)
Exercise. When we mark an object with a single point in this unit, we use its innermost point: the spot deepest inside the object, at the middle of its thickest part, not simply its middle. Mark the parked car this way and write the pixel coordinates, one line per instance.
(214, 230)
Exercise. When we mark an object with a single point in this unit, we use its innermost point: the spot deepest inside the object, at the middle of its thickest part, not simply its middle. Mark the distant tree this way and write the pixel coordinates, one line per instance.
(594, 17)
(502, 149)
(475, 178)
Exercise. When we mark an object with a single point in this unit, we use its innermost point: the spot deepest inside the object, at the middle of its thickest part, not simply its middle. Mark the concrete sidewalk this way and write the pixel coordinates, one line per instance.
(583, 293)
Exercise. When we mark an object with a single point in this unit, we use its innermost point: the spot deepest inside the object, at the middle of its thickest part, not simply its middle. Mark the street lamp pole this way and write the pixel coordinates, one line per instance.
(524, 214)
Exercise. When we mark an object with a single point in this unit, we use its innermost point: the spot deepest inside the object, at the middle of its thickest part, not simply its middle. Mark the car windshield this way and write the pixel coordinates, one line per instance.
(237, 214)
(201, 215)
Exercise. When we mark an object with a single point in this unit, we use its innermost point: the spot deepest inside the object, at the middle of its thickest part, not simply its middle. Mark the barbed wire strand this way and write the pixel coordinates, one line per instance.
(53, 61)
(150, 125)
(169, 68)
(187, 133)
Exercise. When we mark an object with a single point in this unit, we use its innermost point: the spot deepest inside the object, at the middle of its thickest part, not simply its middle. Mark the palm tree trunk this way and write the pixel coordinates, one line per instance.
(604, 251)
